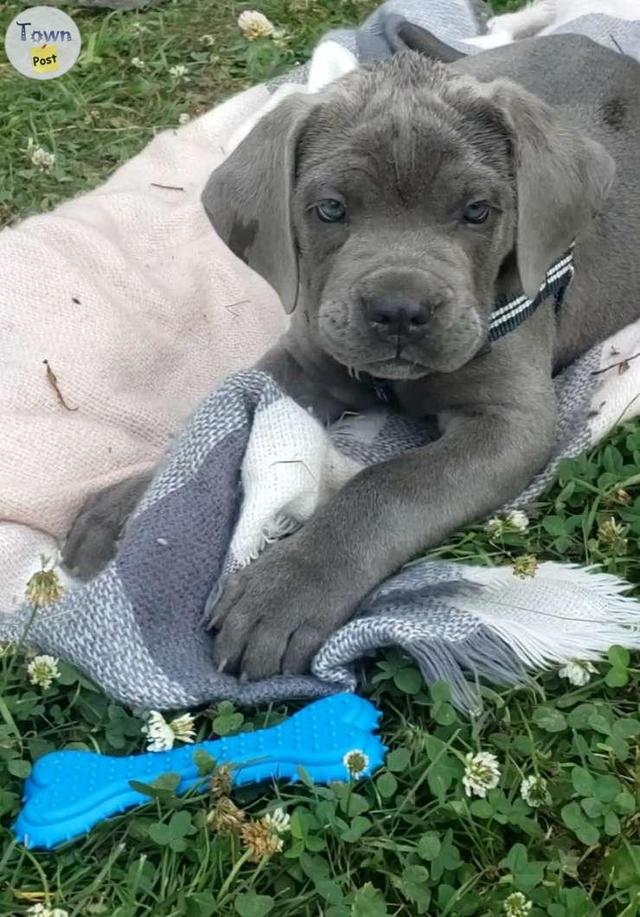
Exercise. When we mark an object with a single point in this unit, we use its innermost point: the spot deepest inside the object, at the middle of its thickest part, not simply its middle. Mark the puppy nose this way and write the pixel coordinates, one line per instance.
(397, 316)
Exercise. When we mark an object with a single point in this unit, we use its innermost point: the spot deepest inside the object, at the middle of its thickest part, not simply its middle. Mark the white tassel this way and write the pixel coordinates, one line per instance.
(563, 613)
(278, 527)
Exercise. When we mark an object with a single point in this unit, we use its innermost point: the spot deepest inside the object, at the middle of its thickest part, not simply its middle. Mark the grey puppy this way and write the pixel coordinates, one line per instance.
(389, 212)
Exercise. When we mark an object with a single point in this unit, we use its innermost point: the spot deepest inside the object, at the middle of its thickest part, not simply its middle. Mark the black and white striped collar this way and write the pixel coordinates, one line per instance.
(511, 311)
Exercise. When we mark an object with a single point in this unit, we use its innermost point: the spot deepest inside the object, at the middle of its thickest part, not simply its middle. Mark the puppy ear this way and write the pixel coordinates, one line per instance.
(248, 197)
(562, 176)
(404, 35)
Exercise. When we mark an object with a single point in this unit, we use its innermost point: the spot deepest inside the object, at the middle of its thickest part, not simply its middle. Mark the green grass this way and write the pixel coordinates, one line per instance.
(106, 109)
(408, 842)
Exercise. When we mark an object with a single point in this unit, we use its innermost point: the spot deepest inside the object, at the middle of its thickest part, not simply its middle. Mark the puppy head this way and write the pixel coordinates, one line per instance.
(383, 208)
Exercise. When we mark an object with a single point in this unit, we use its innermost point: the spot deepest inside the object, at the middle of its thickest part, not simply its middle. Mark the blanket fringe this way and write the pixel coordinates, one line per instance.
(565, 613)
(482, 655)
(278, 527)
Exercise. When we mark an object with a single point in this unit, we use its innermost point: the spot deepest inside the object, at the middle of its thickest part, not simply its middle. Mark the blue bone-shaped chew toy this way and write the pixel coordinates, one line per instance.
(68, 792)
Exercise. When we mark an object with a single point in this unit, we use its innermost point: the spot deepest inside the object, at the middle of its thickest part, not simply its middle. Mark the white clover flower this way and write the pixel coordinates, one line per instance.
(517, 520)
(41, 910)
(44, 586)
(207, 40)
(356, 762)
(137, 63)
(43, 671)
(183, 728)
(495, 527)
(577, 672)
(525, 566)
(260, 840)
(40, 158)
(278, 821)
(254, 25)
(178, 71)
(161, 736)
(184, 118)
(612, 534)
(534, 791)
(139, 27)
(482, 773)
(516, 905)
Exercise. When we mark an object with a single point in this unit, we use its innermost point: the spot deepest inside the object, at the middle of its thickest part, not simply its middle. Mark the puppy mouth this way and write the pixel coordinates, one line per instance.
(395, 367)
(403, 366)
(453, 341)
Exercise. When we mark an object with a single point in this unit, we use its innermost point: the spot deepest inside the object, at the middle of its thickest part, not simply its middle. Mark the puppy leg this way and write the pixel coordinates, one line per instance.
(93, 537)
(276, 613)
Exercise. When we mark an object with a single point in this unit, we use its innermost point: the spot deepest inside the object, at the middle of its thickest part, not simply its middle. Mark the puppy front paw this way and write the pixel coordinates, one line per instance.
(275, 614)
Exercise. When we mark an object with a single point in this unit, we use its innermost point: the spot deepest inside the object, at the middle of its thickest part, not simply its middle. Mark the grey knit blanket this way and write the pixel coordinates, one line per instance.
(252, 466)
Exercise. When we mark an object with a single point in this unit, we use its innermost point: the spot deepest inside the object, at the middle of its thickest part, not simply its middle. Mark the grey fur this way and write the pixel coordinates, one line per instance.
(398, 142)
(93, 540)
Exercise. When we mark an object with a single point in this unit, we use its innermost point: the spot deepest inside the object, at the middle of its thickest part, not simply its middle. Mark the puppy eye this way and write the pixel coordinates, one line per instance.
(330, 210)
(477, 212)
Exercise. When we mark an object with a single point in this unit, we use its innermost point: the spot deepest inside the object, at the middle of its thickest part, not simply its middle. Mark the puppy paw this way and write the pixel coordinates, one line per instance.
(275, 614)
(93, 538)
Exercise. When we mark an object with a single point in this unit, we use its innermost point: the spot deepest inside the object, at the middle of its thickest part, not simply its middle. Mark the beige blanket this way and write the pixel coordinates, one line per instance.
(139, 309)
